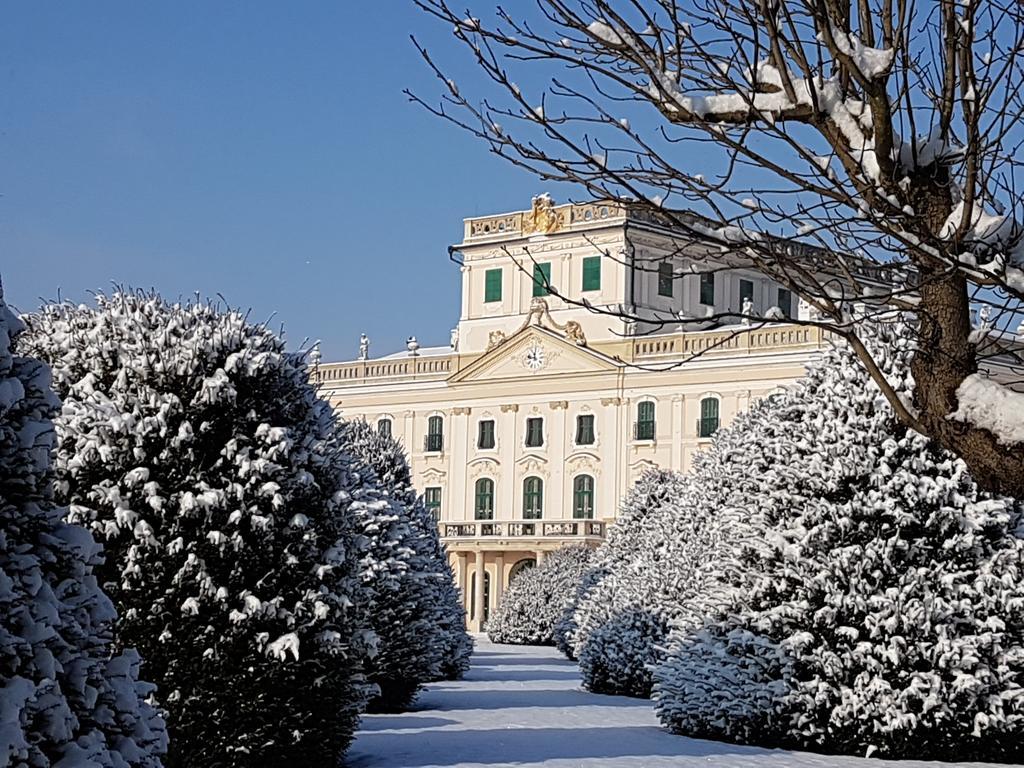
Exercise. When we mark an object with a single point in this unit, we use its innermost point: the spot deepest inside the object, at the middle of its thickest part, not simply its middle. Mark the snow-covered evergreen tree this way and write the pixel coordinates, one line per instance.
(875, 600)
(537, 597)
(66, 698)
(415, 610)
(193, 445)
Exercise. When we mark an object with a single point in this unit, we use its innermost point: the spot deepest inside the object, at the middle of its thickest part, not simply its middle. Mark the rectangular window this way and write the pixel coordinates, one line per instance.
(786, 302)
(485, 434)
(592, 273)
(707, 425)
(533, 498)
(585, 429)
(435, 434)
(583, 497)
(432, 500)
(707, 289)
(384, 427)
(644, 421)
(541, 278)
(665, 282)
(746, 292)
(492, 285)
(534, 432)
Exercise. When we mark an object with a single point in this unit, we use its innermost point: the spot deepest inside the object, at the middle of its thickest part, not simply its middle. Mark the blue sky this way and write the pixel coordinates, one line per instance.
(260, 150)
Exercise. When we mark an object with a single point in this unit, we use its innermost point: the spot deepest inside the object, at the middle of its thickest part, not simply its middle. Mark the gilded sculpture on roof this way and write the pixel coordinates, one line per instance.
(543, 217)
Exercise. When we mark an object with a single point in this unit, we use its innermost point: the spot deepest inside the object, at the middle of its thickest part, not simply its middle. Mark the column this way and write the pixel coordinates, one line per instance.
(499, 580)
(463, 582)
(678, 430)
(478, 591)
(539, 556)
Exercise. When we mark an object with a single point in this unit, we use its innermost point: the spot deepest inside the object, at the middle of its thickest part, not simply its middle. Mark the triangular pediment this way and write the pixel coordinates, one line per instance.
(535, 352)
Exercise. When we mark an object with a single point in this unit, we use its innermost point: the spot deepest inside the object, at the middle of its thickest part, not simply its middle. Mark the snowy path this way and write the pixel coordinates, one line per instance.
(523, 706)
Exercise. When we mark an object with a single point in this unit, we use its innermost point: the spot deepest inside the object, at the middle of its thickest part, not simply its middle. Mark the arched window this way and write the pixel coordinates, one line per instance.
(484, 503)
(583, 497)
(435, 434)
(533, 498)
(708, 423)
(520, 566)
(644, 429)
(384, 427)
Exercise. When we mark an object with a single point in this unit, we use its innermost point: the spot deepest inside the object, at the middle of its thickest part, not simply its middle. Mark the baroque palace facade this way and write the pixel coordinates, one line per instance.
(525, 432)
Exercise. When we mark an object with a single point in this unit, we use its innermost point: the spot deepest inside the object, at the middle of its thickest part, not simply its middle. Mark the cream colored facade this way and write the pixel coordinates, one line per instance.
(518, 358)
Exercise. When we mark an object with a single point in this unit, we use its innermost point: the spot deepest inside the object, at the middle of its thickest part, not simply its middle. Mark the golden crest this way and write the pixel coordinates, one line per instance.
(543, 216)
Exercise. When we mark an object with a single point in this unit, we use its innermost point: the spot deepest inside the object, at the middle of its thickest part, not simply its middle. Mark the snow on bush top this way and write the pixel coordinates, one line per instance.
(194, 445)
(64, 698)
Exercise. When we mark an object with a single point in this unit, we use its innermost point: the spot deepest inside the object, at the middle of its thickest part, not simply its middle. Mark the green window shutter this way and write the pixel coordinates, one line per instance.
(533, 498)
(592, 273)
(786, 302)
(492, 285)
(666, 283)
(541, 278)
(708, 424)
(484, 506)
(486, 435)
(585, 429)
(645, 420)
(707, 289)
(583, 497)
(746, 291)
(432, 500)
(534, 432)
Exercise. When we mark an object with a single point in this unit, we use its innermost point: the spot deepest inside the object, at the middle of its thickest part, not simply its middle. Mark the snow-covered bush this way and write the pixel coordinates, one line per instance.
(875, 603)
(415, 610)
(537, 597)
(619, 620)
(618, 655)
(194, 446)
(66, 698)
(567, 627)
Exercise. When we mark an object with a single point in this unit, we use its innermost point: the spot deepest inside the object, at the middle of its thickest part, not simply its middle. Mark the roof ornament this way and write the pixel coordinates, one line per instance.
(543, 217)
(413, 346)
(364, 346)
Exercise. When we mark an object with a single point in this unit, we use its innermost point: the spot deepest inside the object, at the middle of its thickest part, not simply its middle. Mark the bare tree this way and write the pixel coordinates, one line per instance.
(853, 152)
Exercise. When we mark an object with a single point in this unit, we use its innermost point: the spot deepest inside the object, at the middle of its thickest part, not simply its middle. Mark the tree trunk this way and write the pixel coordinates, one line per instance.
(945, 357)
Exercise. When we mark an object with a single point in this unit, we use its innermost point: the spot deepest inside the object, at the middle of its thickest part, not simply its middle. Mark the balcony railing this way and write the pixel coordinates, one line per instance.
(643, 430)
(533, 529)
(433, 443)
(707, 427)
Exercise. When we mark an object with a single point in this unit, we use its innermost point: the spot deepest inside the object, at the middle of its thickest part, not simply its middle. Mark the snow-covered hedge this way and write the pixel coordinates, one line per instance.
(875, 600)
(537, 597)
(416, 612)
(193, 445)
(66, 698)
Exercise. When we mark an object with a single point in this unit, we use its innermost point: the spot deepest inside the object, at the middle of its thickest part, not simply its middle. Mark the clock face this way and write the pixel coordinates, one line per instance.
(534, 358)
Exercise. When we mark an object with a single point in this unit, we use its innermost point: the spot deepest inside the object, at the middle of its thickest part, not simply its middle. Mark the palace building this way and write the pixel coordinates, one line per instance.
(525, 432)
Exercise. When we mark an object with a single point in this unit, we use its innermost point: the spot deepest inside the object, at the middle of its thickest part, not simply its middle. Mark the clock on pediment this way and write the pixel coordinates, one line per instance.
(534, 358)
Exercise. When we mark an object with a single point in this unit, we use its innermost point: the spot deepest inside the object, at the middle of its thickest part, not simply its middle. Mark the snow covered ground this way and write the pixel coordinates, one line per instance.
(523, 706)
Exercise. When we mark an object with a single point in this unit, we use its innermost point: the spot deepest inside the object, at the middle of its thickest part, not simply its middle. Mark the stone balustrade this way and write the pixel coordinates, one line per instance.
(732, 341)
(406, 369)
(473, 530)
